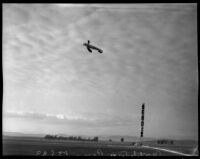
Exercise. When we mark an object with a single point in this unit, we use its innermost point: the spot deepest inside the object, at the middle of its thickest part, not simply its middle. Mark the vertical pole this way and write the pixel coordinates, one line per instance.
(142, 122)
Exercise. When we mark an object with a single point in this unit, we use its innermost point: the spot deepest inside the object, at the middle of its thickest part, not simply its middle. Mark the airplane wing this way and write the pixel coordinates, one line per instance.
(89, 49)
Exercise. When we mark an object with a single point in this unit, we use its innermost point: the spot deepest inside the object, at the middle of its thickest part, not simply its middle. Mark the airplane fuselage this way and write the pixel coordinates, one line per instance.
(93, 47)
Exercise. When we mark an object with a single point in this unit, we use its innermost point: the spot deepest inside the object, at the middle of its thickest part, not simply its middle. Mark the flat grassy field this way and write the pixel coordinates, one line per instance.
(43, 147)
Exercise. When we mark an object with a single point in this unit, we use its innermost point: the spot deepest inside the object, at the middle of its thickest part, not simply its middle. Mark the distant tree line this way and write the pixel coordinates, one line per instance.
(74, 138)
(170, 142)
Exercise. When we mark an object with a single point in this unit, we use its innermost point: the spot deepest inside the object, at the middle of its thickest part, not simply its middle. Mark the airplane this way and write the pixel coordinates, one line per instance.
(89, 47)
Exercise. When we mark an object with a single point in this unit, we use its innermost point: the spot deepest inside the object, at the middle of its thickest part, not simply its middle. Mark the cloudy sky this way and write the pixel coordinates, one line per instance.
(52, 84)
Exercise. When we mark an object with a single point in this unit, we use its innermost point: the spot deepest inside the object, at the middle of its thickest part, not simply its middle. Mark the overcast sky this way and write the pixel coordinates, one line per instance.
(52, 84)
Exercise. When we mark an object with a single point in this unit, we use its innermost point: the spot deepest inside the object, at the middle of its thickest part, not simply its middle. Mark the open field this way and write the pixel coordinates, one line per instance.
(39, 146)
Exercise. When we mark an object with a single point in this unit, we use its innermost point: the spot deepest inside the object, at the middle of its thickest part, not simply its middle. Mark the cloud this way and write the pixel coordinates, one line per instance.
(78, 120)
(25, 115)
(149, 56)
(17, 15)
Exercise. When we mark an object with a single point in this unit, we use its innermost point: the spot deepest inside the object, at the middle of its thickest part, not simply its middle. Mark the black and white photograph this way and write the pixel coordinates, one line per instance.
(100, 79)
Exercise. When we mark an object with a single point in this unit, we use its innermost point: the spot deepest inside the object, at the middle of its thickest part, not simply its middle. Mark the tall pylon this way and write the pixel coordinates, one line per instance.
(142, 122)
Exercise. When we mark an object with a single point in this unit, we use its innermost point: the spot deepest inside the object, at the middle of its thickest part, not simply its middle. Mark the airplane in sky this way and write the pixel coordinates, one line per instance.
(89, 47)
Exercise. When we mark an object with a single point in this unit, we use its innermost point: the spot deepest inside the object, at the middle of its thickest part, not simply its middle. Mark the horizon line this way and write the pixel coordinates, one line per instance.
(104, 135)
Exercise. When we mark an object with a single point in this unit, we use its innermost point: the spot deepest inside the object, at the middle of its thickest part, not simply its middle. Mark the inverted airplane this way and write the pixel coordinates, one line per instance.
(89, 47)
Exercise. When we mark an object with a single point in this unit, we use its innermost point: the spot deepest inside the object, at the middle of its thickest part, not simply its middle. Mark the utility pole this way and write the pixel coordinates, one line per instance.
(142, 123)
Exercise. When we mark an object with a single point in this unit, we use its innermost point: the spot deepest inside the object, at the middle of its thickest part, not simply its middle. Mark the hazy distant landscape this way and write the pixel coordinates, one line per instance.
(21, 144)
